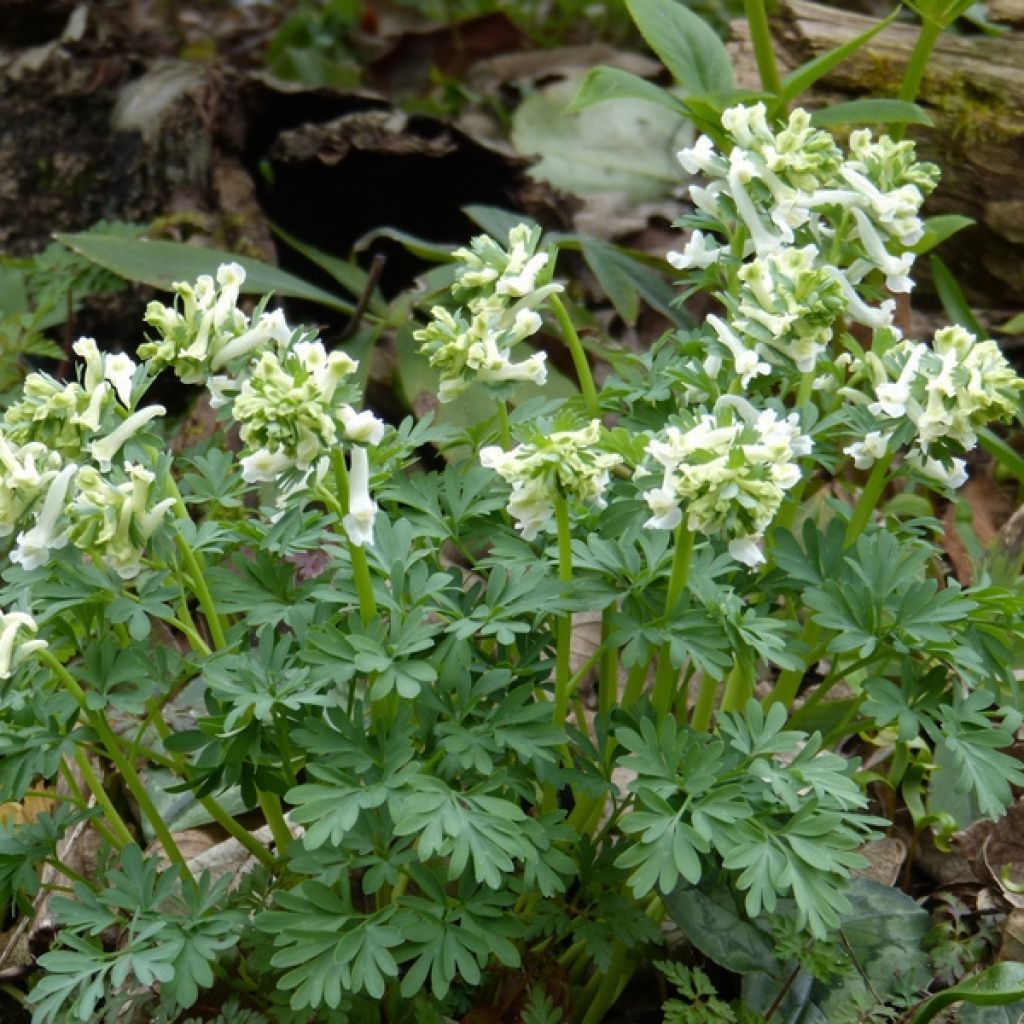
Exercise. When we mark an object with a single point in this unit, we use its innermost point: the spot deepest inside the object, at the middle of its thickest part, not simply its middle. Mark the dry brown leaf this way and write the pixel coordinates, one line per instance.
(885, 860)
(989, 508)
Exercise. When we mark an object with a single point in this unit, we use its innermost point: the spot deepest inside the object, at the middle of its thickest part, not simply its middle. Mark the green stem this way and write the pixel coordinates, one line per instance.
(360, 565)
(738, 688)
(95, 783)
(609, 988)
(579, 357)
(868, 501)
(667, 676)
(270, 804)
(197, 577)
(113, 750)
(197, 572)
(213, 808)
(635, 679)
(504, 427)
(563, 624)
(764, 47)
(788, 683)
(608, 680)
(705, 705)
(914, 74)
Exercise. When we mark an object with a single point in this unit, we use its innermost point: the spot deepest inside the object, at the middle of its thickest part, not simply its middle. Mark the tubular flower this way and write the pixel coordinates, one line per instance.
(779, 199)
(503, 289)
(486, 269)
(290, 410)
(15, 647)
(788, 302)
(727, 472)
(115, 521)
(25, 472)
(46, 535)
(948, 390)
(567, 461)
(362, 509)
(204, 329)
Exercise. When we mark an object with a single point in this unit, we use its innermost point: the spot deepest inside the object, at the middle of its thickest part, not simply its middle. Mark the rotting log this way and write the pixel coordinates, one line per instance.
(973, 89)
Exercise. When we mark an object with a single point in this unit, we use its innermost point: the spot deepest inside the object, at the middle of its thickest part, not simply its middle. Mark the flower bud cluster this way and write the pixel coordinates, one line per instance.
(728, 470)
(285, 391)
(566, 462)
(287, 411)
(59, 443)
(502, 289)
(204, 331)
(803, 235)
(947, 391)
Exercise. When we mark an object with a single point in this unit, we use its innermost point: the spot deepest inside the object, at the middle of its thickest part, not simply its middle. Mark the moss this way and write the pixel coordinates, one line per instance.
(974, 113)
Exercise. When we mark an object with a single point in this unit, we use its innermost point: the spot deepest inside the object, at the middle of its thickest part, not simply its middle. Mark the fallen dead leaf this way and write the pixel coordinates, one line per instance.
(885, 857)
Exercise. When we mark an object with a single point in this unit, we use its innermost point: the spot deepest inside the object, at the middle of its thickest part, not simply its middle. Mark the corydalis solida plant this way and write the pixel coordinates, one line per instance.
(410, 728)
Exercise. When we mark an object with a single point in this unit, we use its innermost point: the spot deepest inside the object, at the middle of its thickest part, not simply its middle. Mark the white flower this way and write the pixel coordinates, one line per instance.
(698, 158)
(270, 327)
(265, 466)
(119, 369)
(953, 476)
(104, 449)
(896, 269)
(664, 506)
(34, 545)
(362, 510)
(230, 277)
(867, 452)
(87, 350)
(362, 427)
(745, 550)
(747, 361)
(531, 506)
(221, 388)
(699, 252)
(14, 650)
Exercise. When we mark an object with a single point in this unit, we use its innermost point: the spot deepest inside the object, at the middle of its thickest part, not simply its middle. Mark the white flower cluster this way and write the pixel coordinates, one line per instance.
(503, 289)
(62, 476)
(283, 389)
(568, 462)
(947, 391)
(811, 235)
(204, 330)
(728, 471)
(16, 645)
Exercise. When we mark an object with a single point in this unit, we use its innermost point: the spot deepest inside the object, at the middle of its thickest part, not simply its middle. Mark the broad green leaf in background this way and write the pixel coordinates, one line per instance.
(884, 930)
(625, 280)
(937, 229)
(997, 985)
(871, 111)
(1015, 325)
(603, 84)
(161, 263)
(953, 300)
(623, 145)
(686, 45)
(350, 276)
(711, 917)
